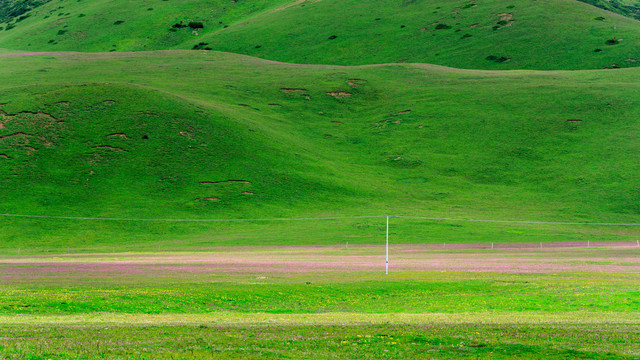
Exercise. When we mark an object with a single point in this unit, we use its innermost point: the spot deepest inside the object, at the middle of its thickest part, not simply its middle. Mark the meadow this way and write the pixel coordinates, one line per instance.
(323, 302)
(216, 135)
(195, 179)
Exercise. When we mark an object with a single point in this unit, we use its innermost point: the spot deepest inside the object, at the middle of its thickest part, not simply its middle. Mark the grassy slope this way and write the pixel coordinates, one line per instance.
(630, 8)
(543, 34)
(105, 25)
(476, 144)
(548, 34)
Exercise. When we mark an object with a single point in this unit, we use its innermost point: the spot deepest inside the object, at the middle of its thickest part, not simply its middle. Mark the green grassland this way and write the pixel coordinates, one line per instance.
(327, 110)
(186, 134)
(630, 8)
(84, 313)
(518, 34)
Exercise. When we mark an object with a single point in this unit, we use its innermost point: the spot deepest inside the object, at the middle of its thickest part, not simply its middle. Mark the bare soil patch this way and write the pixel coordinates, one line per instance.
(108, 147)
(293, 90)
(339, 94)
(120, 135)
(16, 134)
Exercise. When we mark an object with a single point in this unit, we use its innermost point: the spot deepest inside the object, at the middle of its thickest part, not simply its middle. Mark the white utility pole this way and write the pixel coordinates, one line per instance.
(387, 262)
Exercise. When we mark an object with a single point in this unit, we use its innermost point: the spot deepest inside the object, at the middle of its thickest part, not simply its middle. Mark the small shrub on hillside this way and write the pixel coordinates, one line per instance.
(9, 27)
(118, 22)
(442, 27)
(201, 46)
(511, 6)
(599, 18)
(503, 22)
(498, 59)
(613, 41)
(22, 17)
(1, 28)
(81, 15)
(333, 37)
(62, 32)
(196, 25)
(179, 25)
(597, 50)
(466, 36)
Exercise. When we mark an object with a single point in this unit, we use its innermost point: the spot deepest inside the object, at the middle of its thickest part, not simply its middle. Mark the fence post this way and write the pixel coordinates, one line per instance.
(386, 266)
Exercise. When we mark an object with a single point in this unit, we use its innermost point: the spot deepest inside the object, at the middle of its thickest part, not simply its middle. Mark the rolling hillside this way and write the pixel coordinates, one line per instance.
(202, 134)
(493, 34)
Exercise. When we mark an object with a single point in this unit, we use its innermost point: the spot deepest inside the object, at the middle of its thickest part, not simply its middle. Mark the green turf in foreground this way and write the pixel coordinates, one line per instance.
(148, 306)
(487, 336)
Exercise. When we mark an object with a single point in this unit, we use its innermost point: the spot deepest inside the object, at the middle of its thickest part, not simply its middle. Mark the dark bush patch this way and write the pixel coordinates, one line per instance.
(149, 9)
(402, 26)
(498, 59)
(118, 22)
(503, 22)
(466, 36)
(258, 46)
(51, 41)
(613, 41)
(62, 32)
(22, 17)
(599, 18)
(196, 25)
(201, 46)
(81, 15)
(333, 37)
(179, 25)
(442, 27)
(9, 27)
(496, 27)
(597, 50)
(511, 6)
(467, 6)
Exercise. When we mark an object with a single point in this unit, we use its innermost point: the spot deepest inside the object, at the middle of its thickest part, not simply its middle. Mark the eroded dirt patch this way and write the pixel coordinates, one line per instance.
(119, 135)
(339, 94)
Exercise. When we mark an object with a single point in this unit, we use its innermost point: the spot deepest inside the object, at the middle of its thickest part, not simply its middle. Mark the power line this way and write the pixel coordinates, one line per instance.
(188, 220)
(320, 218)
(519, 221)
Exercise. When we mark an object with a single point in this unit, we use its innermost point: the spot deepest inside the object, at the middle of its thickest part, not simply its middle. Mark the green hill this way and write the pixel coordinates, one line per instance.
(630, 8)
(198, 134)
(493, 34)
